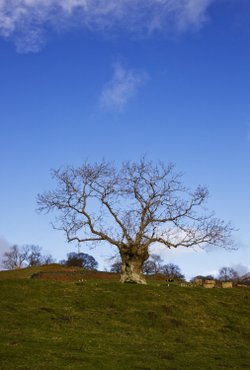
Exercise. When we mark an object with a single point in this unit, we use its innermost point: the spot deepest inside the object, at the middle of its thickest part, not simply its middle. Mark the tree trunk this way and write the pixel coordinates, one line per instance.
(132, 267)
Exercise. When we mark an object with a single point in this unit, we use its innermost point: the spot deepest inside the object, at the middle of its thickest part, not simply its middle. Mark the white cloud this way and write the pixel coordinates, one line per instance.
(25, 21)
(122, 87)
(241, 269)
(4, 246)
(166, 253)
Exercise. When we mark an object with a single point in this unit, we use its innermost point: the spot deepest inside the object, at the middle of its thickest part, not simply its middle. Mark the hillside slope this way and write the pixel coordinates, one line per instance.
(102, 324)
(55, 272)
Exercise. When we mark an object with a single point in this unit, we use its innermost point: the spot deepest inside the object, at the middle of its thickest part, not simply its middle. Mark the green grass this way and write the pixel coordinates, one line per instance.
(101, 324)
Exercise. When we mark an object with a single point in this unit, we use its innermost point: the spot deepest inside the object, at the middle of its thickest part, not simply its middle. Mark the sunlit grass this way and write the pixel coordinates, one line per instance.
(101, 324)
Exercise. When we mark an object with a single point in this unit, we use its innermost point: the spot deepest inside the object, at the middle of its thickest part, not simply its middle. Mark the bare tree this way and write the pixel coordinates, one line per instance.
(81, 260)
(15, 257)
(172, 271)
(153, 265)
(34, 255)
(131, 208)
(25, 256)
(47, 259)
(227, 274)
(116, 267)
(148, 267)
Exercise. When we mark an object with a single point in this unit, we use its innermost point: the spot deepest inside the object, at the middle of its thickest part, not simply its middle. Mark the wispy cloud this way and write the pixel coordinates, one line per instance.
(121, 88)
(4, 246)
(26, 21)
(241, 269)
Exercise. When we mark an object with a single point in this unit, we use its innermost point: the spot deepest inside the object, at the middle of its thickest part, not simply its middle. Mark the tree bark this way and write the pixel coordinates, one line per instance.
(132, 264)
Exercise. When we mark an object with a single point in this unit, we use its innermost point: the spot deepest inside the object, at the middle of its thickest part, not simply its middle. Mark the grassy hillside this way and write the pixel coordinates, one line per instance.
(49, 322)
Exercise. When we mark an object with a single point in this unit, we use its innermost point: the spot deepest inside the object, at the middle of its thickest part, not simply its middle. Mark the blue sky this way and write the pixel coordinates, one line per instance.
(87, 79)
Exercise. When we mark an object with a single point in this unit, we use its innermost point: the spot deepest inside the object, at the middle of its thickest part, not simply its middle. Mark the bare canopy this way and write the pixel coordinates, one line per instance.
(132, 207)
